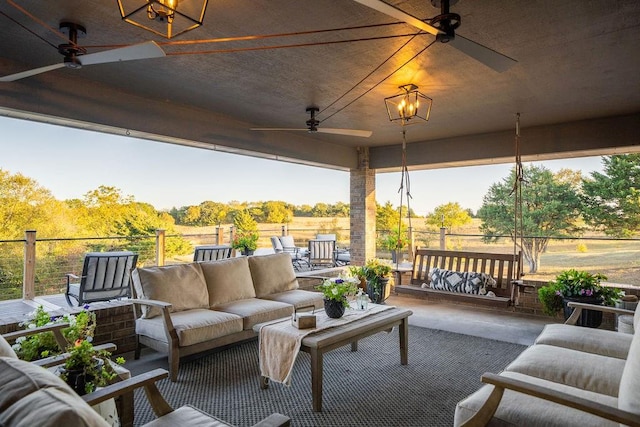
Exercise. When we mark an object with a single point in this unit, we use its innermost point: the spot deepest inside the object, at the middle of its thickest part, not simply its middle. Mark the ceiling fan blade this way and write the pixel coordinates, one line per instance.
(144, 50)
(280, 129)
(29, 73)
(483, 54)
(394, 12)
(347, 132)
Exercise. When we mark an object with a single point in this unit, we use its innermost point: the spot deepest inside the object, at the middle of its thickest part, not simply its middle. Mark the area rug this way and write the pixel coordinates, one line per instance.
(364, 388)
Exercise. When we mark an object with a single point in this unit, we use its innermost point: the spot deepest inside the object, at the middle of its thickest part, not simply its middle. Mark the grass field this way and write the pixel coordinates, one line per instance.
(618, 260)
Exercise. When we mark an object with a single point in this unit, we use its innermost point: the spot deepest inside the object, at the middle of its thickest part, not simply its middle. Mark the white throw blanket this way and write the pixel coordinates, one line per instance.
(280, 341)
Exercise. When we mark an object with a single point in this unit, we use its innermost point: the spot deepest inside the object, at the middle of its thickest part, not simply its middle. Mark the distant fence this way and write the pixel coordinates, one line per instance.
(33, 267)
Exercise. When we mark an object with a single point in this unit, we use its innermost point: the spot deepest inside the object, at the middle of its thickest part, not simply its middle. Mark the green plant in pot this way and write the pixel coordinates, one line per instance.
(394, 242)
(578, 286)
(246, 237)
(87, 368)
(245, 242)
(335, 291)
(377, 274)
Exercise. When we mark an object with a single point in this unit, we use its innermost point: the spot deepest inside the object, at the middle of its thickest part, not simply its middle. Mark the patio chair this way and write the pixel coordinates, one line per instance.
(211, 253)
(287, 244)
(343, 256)
(25, 387)
(105, 276)
(322, 253)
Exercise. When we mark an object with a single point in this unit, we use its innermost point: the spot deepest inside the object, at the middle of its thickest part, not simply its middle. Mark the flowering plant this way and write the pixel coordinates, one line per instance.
(91, 365)
(245, 241)
(574, 284)
(338, 288)
(43, 344)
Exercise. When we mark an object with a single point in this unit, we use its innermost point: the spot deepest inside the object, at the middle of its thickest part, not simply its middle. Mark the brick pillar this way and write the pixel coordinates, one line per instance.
(363, 210)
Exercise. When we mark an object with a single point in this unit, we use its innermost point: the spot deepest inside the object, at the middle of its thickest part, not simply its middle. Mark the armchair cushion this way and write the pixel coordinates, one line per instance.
(228, 280)
(25, 387)
(629, 395)
(272, 274)
(187, 416)
(181, 285)
(597, 341)
(586, 371)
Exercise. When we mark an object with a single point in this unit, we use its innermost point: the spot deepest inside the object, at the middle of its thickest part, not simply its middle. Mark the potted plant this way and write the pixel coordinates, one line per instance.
(578, 286)
(394, 242)
(246, 243)
(246, 236)
(335, 291)
(377, 273)
(87, 368)
(359, 273)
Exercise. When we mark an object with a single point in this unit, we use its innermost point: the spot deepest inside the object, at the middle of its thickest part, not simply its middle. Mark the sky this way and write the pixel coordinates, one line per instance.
(70, 162)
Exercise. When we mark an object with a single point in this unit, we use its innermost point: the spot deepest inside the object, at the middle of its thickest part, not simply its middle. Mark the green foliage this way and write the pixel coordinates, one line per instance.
(612, 199)
(376, 269)
(396, 240)
(574, 283)
(338, 289)
(246, 237)
(550, 209)
(449, 215)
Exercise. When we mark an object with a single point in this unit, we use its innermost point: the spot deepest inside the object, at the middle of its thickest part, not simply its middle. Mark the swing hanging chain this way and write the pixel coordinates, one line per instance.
(404, 183)
(518, 223)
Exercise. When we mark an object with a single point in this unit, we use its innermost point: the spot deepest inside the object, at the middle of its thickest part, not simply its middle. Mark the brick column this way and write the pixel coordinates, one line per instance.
(363, 210)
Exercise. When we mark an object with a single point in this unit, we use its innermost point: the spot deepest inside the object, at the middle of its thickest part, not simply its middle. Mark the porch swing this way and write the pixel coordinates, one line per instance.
(477, 278)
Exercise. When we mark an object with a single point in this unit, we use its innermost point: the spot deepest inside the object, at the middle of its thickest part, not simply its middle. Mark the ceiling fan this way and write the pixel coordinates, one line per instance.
(76, 57)
(443, 27)
(312, 127)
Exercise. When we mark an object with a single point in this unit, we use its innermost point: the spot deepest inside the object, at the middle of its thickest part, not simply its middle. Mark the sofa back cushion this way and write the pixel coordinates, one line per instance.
(629, 393)
(228, 280)
(32, 396)
(181, 285)
(272, 274)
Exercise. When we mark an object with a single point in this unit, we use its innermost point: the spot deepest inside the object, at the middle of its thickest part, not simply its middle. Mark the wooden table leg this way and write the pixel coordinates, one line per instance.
(264, 382)
(316, 379)
(403, 332)
(354, 346)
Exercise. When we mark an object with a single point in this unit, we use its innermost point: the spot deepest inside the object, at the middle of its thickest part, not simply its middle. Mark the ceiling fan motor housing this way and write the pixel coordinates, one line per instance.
(312, 123)
(71, 50)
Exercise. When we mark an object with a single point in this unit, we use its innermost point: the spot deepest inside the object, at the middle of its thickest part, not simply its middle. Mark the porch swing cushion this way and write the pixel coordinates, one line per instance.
(460, 282)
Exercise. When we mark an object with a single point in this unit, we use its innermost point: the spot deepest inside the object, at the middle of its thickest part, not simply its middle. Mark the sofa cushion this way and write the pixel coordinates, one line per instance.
(272, 274)
(228, 280)
(181, 285)
(192, 326)
(629, 394)
(5, 349)
(517, 409)
(298, 298)
(187, 416)
(25, 387)
(254, 310)
(597, 341)
(587, 371)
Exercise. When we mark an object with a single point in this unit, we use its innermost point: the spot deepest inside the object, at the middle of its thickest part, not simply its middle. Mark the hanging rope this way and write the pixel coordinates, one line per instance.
(518, 226)
(404, 183)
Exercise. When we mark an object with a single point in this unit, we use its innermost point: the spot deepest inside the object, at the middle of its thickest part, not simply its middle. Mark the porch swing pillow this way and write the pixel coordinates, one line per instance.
(460, 282)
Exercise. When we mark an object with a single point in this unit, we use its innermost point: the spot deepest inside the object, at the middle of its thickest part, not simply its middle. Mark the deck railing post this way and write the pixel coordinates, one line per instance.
(443, 239)
(284, 230)
(160, 242)
(29, 273)
(219, 236)
(232, 236)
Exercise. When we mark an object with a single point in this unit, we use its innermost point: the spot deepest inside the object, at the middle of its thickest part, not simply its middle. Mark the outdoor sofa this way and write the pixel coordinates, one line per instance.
(184, 309)
(571, 376)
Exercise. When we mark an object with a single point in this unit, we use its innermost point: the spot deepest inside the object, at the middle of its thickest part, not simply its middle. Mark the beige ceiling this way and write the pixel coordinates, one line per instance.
(576, 83)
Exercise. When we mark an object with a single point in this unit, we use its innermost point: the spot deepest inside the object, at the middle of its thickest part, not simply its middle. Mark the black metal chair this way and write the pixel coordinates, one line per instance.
(105, 276)
(343, 256)
(211, 253)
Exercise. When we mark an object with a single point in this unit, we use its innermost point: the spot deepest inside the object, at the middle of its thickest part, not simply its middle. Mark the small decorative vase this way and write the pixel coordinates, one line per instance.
(588, 318)
(334, 309)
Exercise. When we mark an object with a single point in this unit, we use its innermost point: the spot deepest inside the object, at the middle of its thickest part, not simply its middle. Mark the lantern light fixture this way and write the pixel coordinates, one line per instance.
(409, 105)
(166, 18)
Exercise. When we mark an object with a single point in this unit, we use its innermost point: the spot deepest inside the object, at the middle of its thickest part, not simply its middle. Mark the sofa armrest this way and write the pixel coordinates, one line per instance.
(502, 383)
(169, 329)
(151, 303)
(578, 307)
(55, 328)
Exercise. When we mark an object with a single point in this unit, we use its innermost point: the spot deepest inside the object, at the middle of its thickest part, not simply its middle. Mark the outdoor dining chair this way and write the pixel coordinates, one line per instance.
(287, 244)
(322, 253)
(105, 276)
(342, 256)
(211, 253)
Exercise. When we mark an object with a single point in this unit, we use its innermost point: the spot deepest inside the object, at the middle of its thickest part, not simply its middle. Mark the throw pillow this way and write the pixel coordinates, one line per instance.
(272, 274)
(228, 280)
(181, 285)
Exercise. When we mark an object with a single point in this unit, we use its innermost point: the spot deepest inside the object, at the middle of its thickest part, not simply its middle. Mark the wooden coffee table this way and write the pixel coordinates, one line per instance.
(317, 344)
